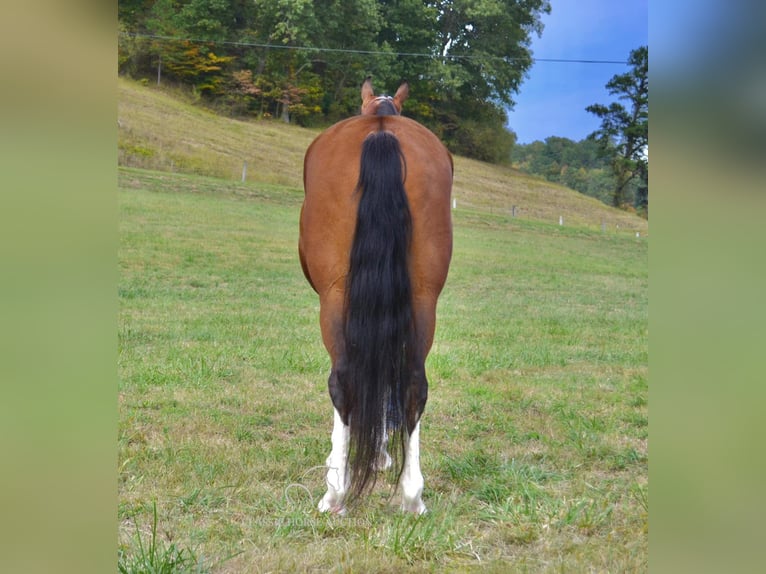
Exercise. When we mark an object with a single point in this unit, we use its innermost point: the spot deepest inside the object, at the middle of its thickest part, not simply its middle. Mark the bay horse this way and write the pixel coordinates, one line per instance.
(375, 244)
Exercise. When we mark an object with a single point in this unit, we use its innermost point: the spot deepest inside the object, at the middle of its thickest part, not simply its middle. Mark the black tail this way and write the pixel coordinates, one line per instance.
(378, 314)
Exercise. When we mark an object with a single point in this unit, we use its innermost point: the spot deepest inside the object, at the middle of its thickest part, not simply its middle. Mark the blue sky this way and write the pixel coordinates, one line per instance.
(552, 100)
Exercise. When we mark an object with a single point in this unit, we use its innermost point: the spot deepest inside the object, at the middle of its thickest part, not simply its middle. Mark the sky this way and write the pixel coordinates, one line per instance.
(552, 100)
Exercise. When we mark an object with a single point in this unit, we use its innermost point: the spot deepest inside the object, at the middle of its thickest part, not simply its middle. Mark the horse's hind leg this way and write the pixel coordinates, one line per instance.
(337, 469)
(338, 478)
(412, 478)
(411, 481)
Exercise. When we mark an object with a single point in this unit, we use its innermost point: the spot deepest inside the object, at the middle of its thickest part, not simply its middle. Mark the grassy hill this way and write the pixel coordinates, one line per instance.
(165, 131)
(535, 435)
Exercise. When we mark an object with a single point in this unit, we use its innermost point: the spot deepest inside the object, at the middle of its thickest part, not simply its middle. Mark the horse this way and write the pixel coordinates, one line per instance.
(375, 244)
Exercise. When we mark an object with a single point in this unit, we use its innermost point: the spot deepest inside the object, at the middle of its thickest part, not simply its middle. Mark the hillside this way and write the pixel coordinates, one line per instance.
(164, 131)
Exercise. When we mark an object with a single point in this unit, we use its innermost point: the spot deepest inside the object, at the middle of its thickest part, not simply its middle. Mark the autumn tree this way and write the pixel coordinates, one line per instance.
(624, 131)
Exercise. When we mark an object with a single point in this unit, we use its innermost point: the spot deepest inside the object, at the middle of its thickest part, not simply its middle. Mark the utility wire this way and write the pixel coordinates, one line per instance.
(367, 52)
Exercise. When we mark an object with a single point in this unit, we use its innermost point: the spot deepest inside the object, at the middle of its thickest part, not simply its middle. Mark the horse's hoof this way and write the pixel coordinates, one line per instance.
(326, 506)
(417, 507)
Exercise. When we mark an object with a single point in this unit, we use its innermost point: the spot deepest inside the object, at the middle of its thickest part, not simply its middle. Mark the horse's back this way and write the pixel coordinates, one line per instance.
(328, 216)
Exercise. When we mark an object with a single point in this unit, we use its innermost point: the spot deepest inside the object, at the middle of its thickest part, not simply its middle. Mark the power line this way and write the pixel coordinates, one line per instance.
(366, 52)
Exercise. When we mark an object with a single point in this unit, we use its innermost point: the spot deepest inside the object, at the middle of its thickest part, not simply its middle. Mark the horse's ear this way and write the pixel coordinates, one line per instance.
(367, 92)
(401, 94)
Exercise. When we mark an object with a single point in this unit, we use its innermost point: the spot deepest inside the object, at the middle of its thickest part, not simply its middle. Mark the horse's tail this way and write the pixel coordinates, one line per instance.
(378, 312)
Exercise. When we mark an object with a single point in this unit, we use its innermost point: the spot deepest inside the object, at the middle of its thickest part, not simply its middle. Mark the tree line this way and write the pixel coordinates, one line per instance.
(578, 165)
(303, 60)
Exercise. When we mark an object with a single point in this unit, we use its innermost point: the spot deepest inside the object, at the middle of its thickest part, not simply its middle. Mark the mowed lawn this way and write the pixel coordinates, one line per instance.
(534, 438)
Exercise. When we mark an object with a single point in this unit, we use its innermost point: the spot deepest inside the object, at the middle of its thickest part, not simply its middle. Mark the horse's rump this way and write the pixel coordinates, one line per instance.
(328, 216)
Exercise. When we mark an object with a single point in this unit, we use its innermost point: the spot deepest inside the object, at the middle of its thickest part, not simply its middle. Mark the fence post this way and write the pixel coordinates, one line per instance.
(244, 171)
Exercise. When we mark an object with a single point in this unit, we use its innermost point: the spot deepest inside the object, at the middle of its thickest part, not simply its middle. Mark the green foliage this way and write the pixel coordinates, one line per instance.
(493, 36)
(464, 59)
(207, 19)
(133, 52)
(581, 165)
(624, 132)
(484, 141)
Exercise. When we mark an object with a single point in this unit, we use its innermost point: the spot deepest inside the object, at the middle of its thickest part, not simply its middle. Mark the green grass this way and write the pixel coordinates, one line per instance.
(534, 439)
(152, 556)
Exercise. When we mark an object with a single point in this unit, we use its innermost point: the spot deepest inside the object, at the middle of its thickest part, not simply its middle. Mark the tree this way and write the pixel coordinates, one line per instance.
(482, 55)
(488, 42)
(624, 132)
(464, 59)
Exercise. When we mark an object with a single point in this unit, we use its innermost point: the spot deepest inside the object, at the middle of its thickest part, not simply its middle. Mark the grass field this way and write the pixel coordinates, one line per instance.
(534, 439)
